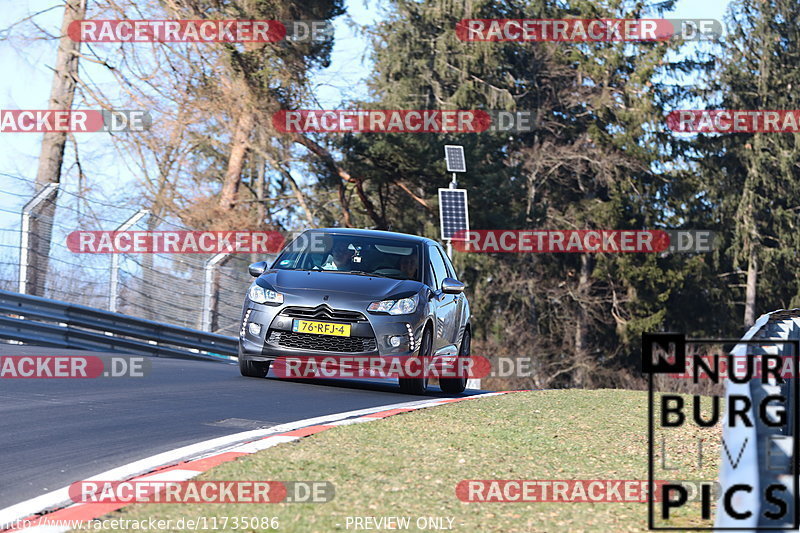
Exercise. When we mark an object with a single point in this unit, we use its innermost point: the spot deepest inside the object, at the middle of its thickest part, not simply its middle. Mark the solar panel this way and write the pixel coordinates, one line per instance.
(454, 155)
(453, 212)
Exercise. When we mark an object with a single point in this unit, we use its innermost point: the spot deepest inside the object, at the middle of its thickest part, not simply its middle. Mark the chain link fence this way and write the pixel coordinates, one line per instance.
(181, 289)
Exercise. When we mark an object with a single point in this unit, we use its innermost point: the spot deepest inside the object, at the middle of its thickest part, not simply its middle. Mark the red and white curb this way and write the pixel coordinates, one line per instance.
(187, 462)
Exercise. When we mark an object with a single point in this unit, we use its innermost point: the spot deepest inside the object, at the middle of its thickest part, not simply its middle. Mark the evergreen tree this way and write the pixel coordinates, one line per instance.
(752, 178)
(588, 163)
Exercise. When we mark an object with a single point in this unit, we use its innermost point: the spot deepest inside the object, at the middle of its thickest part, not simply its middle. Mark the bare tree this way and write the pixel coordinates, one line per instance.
(51, 156)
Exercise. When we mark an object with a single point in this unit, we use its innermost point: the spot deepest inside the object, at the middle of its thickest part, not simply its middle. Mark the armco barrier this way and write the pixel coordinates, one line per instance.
(44, 322)
(766, 453)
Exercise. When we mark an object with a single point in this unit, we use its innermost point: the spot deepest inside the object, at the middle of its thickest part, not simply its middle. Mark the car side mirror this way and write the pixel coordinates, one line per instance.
(256, 269)
(452, 286)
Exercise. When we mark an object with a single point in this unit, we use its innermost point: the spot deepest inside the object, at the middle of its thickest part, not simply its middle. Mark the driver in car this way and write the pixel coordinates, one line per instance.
(339, 258)
(409, 265)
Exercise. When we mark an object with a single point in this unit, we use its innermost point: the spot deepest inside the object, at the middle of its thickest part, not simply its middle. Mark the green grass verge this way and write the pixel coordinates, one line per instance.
(409, 465)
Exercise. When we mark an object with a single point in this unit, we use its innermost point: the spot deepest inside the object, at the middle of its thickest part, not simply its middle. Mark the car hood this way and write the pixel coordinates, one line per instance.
(304, 283)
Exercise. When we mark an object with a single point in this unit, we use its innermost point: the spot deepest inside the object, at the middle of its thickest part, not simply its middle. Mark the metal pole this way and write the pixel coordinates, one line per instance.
(208, 284)
(114, 284)
(38, 198)
(475, 383)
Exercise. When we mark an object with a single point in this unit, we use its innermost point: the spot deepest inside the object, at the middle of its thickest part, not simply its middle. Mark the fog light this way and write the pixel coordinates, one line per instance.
(254, 329)
(395, 340)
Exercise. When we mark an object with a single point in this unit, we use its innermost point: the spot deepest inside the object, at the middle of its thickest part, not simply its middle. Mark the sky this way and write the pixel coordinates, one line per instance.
(26, 85)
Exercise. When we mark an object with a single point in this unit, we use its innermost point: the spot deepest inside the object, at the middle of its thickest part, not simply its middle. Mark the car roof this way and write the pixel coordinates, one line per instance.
(374, 233)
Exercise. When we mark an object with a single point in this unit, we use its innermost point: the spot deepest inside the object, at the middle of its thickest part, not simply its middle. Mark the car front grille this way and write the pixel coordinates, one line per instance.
(324, 312)
(322, 343)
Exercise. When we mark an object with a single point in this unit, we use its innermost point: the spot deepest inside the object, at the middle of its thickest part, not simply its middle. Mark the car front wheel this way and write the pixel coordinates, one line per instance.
(457, 385)
(253, 369)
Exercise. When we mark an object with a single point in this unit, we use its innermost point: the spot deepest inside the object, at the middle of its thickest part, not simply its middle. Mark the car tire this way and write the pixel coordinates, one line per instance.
(253, 369)
(457, 385)
(419, 385)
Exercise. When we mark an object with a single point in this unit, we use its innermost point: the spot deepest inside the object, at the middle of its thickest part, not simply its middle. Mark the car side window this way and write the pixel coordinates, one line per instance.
(437, 263)
(451, 271)
(431, 278)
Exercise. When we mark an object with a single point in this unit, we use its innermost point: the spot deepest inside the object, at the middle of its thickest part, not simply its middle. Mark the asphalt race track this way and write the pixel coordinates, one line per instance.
(57, 431)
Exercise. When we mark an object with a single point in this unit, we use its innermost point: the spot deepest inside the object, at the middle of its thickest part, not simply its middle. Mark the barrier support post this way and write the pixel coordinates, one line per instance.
(210, 288)
(25, 236)
(113, 287)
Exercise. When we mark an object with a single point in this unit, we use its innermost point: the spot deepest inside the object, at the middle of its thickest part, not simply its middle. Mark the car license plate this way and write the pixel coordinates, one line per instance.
(321, 328)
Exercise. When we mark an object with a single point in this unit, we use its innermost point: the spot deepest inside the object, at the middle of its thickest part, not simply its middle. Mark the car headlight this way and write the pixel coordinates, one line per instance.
(404, 306)
(260, 295)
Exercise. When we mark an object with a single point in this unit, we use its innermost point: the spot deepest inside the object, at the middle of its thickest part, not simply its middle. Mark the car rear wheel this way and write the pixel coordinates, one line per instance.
(253, 369)
(419, 385)
(457, 385)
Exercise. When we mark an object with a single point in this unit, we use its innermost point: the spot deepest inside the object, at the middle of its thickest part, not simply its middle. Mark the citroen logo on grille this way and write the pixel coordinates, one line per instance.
(323, 311)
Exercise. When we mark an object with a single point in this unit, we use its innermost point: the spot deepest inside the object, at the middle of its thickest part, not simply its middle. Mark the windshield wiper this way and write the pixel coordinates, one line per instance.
(360, 273)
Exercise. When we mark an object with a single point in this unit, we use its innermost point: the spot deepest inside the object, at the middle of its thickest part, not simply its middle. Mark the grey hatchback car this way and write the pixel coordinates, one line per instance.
(348, 292)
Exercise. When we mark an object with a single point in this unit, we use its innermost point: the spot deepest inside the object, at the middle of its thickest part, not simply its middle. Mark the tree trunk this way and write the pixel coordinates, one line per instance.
(582, 358)
(750, 291)
(241, 139)
(51, 156)
(150, 287)
(345, 206)
(261, 210)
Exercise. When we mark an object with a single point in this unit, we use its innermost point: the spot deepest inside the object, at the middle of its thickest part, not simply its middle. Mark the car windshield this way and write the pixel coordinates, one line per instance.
(391, 258)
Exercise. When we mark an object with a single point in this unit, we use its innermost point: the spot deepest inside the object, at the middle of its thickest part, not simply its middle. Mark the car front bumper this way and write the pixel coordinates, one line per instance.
(266, 334)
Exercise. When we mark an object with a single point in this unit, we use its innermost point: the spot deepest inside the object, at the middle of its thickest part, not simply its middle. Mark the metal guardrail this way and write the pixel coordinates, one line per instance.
(765, 453)
(56, 324)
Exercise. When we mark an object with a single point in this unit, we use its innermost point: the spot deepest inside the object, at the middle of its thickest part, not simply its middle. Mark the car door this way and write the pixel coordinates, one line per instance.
(433, 299)
(445, 305)
(459, 320)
